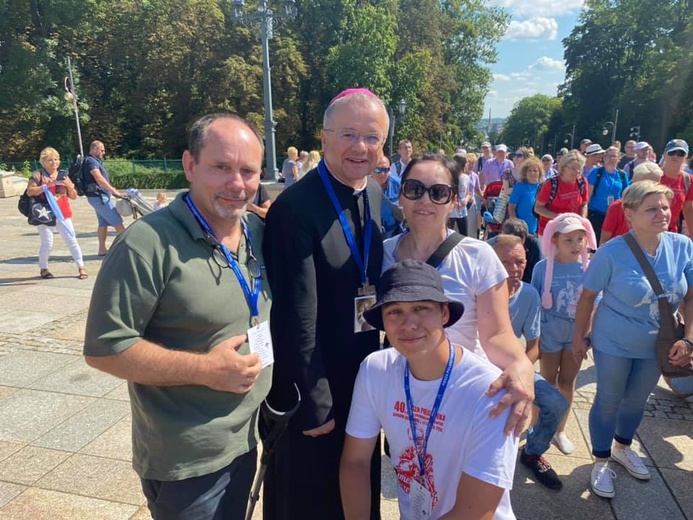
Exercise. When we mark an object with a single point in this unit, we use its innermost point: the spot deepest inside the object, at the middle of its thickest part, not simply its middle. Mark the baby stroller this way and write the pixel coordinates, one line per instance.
(133, 203)
(490, 223)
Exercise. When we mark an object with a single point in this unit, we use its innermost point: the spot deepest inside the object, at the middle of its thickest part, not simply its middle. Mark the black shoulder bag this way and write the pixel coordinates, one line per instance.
(36, 209)
(670, 327)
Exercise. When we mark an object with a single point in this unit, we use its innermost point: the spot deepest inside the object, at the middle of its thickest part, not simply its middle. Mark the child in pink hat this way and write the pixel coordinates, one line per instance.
(558, 278)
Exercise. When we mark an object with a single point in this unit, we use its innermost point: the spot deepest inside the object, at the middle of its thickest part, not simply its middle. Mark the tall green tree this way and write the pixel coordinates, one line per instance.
(530, 120)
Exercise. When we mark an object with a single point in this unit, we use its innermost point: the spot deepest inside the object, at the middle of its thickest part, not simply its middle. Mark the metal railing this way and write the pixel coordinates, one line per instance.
(113, 165)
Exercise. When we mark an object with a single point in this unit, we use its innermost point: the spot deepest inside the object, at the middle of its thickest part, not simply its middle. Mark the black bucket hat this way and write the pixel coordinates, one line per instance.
(411, 281)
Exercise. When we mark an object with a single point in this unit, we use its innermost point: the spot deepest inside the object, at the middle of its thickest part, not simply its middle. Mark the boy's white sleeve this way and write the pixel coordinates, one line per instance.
(363, 422)
(490, 454)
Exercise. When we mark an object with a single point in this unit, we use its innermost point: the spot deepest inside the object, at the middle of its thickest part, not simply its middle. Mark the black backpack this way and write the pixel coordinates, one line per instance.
(600, 174)
(76, 174)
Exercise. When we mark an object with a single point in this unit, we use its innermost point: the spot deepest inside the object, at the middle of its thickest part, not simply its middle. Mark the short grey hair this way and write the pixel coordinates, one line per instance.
(635, 194)
(647, 171)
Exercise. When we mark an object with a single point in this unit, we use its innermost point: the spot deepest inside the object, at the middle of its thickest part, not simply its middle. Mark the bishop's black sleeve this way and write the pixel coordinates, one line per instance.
(289, 258)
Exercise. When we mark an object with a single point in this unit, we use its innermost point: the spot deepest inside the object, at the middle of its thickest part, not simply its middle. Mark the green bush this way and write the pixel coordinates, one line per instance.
(149, 181)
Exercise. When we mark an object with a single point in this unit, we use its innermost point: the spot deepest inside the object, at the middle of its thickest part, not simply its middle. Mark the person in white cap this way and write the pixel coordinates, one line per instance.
(558, 279)
(494, 168)
(486, 155)
(642, 154)
(547, 165)
(594, 154)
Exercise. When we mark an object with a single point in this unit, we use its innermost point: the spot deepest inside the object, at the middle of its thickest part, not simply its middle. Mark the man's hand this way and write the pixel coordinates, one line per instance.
(320, 430)
(231, 371)
(518, 380)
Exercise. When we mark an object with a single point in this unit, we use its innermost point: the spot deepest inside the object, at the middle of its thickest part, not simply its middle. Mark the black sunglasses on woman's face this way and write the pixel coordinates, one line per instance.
(438, 193)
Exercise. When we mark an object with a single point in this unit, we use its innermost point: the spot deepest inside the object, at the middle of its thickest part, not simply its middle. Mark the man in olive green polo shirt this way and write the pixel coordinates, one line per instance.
(173, 305)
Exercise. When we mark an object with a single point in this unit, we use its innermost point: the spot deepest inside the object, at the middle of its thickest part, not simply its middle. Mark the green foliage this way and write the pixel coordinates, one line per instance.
(144, 69)
(530, 120)
(631, 56)
(150, 181)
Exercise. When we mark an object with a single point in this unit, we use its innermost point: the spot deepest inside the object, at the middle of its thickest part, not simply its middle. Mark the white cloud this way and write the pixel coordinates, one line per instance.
(549, 64)
(492, 94)
(521, 76)
(525, 8)
(533, 29)
(501, 77)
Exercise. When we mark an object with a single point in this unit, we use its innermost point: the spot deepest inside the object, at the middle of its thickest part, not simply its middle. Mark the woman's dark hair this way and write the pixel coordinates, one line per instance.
(450, 167)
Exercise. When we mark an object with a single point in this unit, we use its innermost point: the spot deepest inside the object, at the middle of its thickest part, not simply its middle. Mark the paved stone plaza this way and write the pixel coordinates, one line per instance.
(65, 428)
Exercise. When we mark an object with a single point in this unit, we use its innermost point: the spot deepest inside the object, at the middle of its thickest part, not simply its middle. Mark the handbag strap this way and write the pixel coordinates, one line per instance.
(663, 302)
(444, 249)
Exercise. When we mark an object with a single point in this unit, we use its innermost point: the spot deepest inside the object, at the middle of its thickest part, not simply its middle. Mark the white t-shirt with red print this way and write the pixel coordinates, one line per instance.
(463, 438)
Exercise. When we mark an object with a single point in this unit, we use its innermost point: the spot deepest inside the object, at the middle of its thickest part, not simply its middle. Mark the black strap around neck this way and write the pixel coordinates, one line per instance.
(444, 249)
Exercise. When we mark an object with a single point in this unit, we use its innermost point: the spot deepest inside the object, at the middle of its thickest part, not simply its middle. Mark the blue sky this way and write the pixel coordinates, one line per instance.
(530, 57)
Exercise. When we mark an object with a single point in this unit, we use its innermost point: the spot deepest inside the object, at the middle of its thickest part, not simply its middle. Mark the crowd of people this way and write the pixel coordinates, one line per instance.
(368, 290)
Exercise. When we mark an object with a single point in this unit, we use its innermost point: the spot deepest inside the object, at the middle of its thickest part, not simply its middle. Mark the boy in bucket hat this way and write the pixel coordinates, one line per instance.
(428, 395)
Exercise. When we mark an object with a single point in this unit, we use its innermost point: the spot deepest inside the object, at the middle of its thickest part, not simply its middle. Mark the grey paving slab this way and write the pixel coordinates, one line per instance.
(78, 378)
(8, 491)
(668, 442)
(114, 443)
(6, 390)
(44, 504)
(8, 448)
(23, 321)
(26, 415)
(120, 393)
(30, 464)
(532, 501)
(22, 368)
(643, 499)
(83, 427)
(680, 483)
(96, 477)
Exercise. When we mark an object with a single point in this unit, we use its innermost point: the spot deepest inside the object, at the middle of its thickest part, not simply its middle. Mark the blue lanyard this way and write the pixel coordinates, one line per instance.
(361, 261)
(434, 412)
(252, 297)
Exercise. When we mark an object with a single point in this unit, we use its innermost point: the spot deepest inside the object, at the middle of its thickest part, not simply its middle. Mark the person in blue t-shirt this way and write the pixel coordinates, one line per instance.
(524, 195)
(390, 213)
(525, 316)
(626, 323)
(100, 194)
(566, 241)
(606, 185)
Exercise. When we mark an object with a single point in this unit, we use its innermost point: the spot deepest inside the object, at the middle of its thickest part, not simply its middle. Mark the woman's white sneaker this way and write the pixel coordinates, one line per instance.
(563, 443)
(630, 460)
(602, 480)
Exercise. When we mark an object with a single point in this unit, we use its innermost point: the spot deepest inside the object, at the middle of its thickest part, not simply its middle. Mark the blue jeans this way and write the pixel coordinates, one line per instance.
(623, 386)
(552, 408)
(217, 496)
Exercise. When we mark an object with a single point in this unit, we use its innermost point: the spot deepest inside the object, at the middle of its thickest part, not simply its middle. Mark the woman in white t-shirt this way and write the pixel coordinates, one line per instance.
(472, 275)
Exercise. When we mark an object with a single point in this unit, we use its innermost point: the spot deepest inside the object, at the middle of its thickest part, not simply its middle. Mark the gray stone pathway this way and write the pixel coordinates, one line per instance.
(65, 428)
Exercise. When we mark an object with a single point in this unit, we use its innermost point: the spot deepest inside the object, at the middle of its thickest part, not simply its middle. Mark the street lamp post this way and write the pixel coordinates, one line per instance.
(267, 20)
(614, 124)
(71, 97)
(402, 109)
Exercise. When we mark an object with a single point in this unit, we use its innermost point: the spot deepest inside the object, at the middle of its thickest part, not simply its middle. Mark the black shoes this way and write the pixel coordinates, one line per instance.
(542, 470)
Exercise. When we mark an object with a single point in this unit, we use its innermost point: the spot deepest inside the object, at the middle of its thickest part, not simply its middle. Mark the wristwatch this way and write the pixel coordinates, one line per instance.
(687, 342)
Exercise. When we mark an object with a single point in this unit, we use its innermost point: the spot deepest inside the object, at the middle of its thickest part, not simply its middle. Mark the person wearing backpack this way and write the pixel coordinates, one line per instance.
(606, 185)
(564, 193)
(100, 194)
(60, 186)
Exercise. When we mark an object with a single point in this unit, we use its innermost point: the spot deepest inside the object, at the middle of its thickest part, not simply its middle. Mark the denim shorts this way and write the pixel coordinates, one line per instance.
(556, 333)
(106, 213)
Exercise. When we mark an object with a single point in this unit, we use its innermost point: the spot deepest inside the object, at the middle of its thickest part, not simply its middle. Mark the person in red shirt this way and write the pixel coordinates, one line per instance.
(570, 195)
(615, 221)
(675, 154)
(59, 184)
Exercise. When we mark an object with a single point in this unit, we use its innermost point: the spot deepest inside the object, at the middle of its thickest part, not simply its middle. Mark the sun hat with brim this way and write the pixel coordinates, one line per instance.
(594, 149)
(411, 281)
(675, 145)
